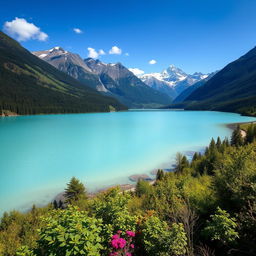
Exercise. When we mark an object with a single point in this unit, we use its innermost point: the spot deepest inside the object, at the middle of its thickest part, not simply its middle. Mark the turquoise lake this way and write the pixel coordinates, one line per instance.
(39, 154)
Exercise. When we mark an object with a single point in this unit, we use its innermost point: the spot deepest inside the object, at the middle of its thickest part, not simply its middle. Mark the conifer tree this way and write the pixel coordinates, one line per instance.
(236, 138)
(195, 156)
(160, 175)
(75, 190)
(219, 143)
(250, 135)
(181, 163)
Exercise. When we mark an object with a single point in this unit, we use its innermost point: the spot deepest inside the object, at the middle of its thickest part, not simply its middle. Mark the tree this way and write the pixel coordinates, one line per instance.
(195, 157)
(160, 239)
(142, 187)
(250, 135)
(112, 207)
(218, 144)
(235, 176)
(236, 138)
(75, 190)
(221, 227)
(212, 146)
(160, 174)
(181, 163)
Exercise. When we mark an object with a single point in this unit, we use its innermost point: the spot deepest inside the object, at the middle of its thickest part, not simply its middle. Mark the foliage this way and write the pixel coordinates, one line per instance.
(75, 190)
(159, 239)
(235, 177)
(221, 227)
(70, 232)
(174, 216)
(143, 187)
(112, 207)
(237, 139)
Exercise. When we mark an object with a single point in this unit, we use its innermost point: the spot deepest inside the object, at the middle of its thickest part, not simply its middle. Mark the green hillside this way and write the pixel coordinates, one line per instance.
(29, 85)
(231, 89)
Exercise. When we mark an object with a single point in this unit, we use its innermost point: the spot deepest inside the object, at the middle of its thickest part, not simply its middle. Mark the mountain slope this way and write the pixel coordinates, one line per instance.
(172, 80)
(126, 86)
(160, 85)
(72, 64)
(231, 89)
(29, 85)
(183, 95)
(109, 79)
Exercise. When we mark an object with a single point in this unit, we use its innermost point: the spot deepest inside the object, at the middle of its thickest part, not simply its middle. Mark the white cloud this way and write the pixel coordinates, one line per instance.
(77, 30)
(137, 71)
(101, 52)
(94, 54)
(23, 30)
(115, 50)
(152, 62)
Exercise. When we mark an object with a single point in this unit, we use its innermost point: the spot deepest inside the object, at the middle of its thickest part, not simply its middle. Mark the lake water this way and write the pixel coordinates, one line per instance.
(39, 154)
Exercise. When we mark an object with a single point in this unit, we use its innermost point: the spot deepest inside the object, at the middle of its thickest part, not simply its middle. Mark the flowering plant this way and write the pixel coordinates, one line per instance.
(122, 243)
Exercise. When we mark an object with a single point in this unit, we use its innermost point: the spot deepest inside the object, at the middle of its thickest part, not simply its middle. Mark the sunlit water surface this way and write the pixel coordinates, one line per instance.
(39, 154)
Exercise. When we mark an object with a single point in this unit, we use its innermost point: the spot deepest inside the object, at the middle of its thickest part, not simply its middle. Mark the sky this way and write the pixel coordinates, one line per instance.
(194, 35)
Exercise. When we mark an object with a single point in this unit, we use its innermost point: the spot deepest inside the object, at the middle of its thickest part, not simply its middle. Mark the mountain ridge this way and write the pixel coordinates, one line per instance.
(109, 79)
(231, 89)
(29, 85)
(172, 80)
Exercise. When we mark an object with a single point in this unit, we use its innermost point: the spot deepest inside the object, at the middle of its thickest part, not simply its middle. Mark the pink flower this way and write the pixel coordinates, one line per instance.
(119, 232)
(114, 243)
(132, 246)
(128, 254)
(130, 233)
(121, 242)
(115, 236)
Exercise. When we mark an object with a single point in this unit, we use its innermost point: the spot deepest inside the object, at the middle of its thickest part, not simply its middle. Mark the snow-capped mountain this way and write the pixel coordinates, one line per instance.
(172, 80)
(73, 65)
(109, 79)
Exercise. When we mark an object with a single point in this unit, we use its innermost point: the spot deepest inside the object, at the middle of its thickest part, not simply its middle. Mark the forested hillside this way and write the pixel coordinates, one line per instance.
(232, 89)
(29, 85)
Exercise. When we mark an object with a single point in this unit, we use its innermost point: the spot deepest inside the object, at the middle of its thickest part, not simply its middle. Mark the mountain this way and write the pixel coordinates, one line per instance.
(183, 95)
(172, 80)
(154, 81)
(231, 89)
(72, 64)
(29, 85)
(109, 79)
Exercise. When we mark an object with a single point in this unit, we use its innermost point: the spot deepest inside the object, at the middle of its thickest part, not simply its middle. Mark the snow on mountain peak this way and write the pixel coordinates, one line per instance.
(172, 77)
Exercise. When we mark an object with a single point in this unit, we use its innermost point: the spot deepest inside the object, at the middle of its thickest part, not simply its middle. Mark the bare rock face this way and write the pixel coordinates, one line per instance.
(109, 79)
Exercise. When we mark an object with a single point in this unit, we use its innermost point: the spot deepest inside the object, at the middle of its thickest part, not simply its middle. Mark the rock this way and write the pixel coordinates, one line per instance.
(137, 177)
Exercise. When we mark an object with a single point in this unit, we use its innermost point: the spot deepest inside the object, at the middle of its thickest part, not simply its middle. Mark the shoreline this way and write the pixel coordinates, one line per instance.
(233, 126)
(149, 176)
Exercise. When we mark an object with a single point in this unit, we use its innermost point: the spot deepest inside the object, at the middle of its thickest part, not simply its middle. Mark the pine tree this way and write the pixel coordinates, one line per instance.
(160, 175)
(195, 157)
(75, 190)
(212, 146)
(219, 143)
(181, 163)
(55, 204)
(236, 138)
(250, 134)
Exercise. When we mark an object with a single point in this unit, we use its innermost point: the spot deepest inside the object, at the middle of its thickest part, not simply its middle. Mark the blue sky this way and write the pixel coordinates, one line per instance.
(195, 35)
